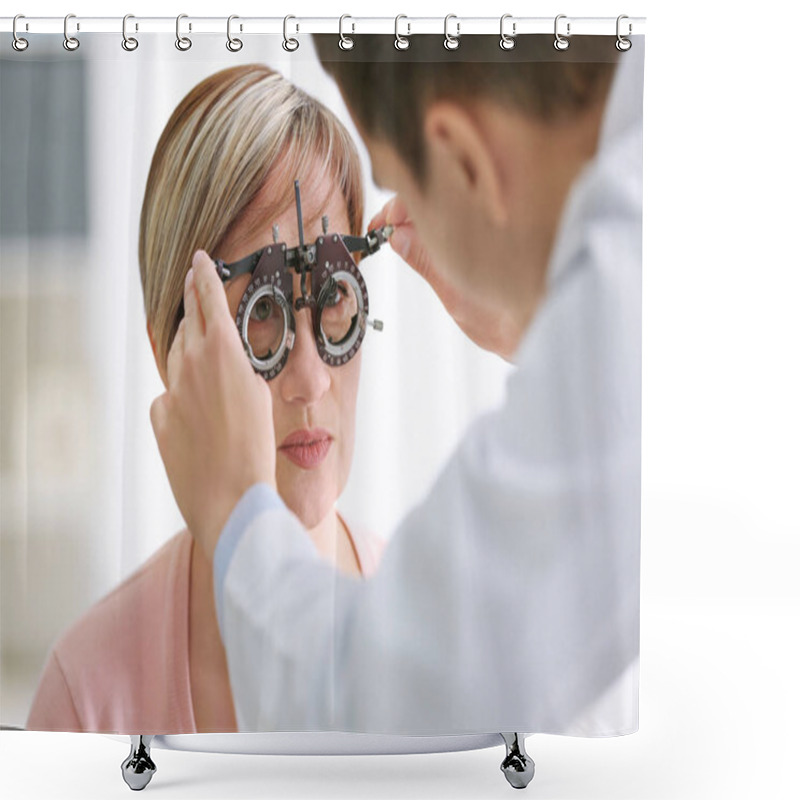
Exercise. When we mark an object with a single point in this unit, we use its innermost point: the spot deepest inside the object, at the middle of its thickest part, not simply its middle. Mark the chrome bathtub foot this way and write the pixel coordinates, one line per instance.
(517, 766)
(138, 767)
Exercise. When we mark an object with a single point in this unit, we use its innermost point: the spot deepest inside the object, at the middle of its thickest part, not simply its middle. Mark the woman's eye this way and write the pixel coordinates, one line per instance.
(340, 315)
(263, 309)
(336, 297)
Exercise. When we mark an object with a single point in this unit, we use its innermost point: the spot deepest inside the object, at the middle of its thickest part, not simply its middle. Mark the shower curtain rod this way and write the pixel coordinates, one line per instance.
(345, 25)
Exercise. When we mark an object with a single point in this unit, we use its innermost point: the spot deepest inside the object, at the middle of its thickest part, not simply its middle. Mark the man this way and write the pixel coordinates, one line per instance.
(509, 598)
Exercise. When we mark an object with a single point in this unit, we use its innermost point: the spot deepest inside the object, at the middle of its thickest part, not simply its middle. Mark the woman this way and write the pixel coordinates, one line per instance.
(148, 658)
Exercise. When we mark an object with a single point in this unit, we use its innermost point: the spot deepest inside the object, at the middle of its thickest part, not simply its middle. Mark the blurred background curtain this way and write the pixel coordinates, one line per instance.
(85, 498)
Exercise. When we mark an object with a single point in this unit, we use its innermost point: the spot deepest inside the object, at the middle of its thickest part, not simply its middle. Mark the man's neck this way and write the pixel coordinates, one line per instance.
(555, 154)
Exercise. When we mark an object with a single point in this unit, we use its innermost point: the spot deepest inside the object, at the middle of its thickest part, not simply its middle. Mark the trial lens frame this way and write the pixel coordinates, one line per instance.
(323, 266)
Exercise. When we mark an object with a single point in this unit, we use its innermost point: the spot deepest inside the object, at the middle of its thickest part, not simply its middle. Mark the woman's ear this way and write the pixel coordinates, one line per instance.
(161, 371)
(458, 144)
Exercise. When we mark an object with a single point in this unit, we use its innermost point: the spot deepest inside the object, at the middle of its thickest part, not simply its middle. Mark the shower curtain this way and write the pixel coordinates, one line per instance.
(428, 597)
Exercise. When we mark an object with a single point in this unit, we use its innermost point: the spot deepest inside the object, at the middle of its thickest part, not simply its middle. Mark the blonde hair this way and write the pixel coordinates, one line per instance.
(226, 138)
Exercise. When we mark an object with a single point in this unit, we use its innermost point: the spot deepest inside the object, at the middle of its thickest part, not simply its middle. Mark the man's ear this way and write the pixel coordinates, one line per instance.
(456, 140)
(161, 371)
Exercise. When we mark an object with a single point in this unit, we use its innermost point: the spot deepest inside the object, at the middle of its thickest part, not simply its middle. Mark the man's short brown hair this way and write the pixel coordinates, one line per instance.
(388, 90)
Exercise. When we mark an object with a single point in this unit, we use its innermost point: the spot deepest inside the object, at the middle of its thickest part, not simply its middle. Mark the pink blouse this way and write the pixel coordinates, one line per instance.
(123, 667)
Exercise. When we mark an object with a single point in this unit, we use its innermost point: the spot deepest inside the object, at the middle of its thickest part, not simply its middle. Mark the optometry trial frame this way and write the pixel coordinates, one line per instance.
(331, 286)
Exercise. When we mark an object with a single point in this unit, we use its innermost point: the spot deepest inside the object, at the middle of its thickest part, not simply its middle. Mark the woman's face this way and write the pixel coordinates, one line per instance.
(314, 405)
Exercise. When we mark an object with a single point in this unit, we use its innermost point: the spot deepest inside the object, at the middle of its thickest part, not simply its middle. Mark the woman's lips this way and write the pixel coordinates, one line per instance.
(307, 449)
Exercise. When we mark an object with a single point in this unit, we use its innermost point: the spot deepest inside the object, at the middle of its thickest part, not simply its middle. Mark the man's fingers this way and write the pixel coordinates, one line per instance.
(379, 220)
(404, 240)
(195, 325)
(396, 211)
(210, 291)
(406, 243)
(401, 241)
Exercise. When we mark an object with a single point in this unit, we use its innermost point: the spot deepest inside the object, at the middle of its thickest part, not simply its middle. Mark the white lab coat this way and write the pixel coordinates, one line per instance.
(508, 600)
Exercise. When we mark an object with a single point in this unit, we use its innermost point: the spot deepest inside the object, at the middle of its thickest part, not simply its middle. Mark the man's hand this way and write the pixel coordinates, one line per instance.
(214, 423)
(484, 324)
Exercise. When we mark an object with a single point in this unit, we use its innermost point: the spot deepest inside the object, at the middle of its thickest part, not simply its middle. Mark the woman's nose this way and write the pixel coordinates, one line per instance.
(306, 377)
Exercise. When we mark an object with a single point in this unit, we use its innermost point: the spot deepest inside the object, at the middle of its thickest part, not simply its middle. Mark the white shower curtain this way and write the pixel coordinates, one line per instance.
(86, 500)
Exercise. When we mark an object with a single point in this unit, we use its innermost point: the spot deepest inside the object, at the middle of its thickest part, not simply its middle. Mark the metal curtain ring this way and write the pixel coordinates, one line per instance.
(560, 42)
(128, 42)
(70, 42)
(183, 43)
(401, 42)
(234, 45)
(623, 44)
(289, 44)
(18, 43)
(345, 42)
(507, 42)
(451, 42)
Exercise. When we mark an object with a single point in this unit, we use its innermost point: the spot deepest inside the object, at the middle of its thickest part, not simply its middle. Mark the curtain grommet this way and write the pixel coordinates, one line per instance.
(507, 42)
(70, 43)
(183, 43)
(233, 44)
(345, 42)
(451, 42)
(561, 43)
(622, 44)
(401, 42)
(129, 43)
(290, 44)
(18, 42)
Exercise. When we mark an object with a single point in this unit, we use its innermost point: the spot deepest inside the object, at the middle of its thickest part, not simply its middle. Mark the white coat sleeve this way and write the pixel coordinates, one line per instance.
(508, 600)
